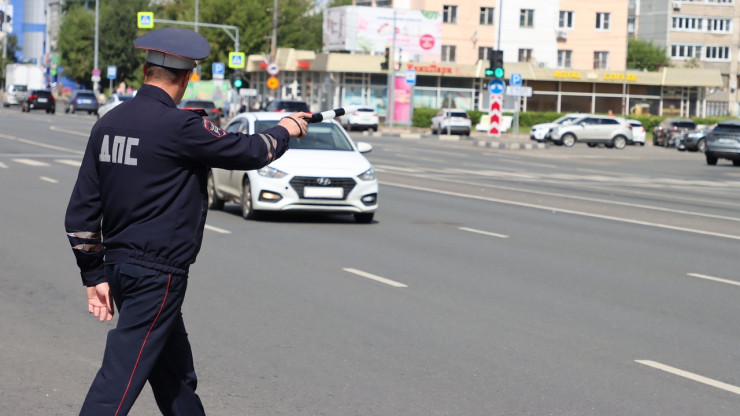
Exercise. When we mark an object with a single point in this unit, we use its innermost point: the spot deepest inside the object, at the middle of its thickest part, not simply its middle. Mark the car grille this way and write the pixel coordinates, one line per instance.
(300, 182)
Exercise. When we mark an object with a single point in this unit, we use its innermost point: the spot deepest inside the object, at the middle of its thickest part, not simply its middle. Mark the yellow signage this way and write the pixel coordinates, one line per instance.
(273, 83)
(145, 20)
(620, 76)
(237, 59)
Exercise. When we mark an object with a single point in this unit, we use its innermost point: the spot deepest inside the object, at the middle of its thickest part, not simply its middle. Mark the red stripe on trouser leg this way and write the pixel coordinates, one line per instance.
(138, 358)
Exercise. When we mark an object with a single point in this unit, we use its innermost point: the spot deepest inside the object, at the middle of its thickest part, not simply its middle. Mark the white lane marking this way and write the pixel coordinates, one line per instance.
(691, 376)
(473, 230)
(76, 133)
(47, 179)
(3, 165)
(30, 162)
(216, 229)
(562, 210)
(75, 163)
(39, 144)
(716, 279)
(374, 277)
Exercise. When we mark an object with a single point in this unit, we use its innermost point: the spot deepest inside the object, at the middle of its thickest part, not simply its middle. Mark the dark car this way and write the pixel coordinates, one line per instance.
(669, 130)
(213, 113)
(40, 100)
(694, 141)
(723, 142)
(287, 106)
(82, 100)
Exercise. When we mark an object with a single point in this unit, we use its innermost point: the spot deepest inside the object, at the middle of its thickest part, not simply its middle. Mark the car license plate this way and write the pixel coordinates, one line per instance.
(43, 100)
(323, 192)
(725, 140)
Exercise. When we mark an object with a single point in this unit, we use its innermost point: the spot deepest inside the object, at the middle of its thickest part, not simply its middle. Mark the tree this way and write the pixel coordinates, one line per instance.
(76, 42)
(644, 55)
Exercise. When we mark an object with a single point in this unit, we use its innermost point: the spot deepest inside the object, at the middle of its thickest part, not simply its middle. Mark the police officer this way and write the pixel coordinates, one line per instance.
(135, 222)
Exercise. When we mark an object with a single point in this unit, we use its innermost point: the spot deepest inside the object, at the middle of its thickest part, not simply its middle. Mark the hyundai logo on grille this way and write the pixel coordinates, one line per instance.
(323, 181)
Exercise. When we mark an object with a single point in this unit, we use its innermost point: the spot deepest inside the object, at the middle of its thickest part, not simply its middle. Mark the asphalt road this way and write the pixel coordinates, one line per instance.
(492, 282)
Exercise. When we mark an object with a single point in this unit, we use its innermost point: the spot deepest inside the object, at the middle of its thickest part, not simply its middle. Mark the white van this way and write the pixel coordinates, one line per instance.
(14, 95)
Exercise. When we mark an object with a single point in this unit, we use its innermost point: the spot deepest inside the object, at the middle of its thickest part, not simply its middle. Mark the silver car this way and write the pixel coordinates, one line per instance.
(451, 120)
(594, 130)
(723, 142)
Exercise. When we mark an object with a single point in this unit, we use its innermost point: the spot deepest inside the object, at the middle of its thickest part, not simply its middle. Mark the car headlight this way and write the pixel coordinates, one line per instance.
(367, 175)
(271, 172)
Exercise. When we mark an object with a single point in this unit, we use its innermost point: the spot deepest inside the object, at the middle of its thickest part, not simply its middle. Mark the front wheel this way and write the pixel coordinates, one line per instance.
(592, 144)
(213, 200)
(619, 142)
(364, 218)
(568, 140)
(246, 202)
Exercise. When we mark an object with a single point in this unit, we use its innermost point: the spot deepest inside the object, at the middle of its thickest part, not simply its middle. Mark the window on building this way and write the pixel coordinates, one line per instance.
(679, 51)
(448, 53)
(565, 21)
(602, 21)
(364, 2)
(601, 60)
(485, 53)
(680, 23)
(486, 15)
(719, 25)
(383, 3)
(525, 55)
(526, 18)
(631, 25)
(564, 58)
(717, 53)
(449, 14)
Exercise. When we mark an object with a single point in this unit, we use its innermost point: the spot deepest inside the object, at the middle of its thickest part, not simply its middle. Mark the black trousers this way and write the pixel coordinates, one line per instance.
(149, 343)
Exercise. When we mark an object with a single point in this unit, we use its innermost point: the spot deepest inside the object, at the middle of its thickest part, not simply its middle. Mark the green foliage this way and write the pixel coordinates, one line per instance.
(76, 43)
(644, 55)
(530, 118)
(423, 117)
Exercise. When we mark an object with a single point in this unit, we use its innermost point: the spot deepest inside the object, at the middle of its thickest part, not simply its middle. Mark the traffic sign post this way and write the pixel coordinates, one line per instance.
(111, 75)
(237, 60)
(496, 87)
(218, 70)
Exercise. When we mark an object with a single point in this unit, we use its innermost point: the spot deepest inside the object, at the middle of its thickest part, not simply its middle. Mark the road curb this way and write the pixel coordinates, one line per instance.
(508, 146)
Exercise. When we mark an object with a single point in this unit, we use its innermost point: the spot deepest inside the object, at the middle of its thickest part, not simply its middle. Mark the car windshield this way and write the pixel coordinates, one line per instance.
(86, 95)
(365, 110)
(460, 114)
(198, 104)
(685, 125)
(727, 128)
(21, 88)
(288, 106)
(321, 136)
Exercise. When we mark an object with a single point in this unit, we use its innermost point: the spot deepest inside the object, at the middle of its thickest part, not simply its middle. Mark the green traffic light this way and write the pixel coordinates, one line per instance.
(498, 72)
(238, 83)
(489, 72)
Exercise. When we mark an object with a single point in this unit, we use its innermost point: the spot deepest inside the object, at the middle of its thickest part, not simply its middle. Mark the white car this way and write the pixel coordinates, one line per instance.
(638, 132)
(451, 120)
(322, 172)
(539, 131)
(364, 118)
(114, 100)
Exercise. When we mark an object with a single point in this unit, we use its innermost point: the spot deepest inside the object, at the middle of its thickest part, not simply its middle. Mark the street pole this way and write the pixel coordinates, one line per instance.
(392, 77)
(96, 85)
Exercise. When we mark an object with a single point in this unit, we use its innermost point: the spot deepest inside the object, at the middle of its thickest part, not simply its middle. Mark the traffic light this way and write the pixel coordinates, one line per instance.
(386, 64)
(496, 65)
(237, 81)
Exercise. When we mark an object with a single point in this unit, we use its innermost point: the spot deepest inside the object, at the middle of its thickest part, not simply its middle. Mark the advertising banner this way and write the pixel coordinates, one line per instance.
(402, 100)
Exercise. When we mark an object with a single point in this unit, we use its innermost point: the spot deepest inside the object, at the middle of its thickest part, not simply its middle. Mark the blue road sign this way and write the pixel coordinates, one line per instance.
(112, 71)
(218, 68)
(516, 79)
(497, 86)
(411, 76)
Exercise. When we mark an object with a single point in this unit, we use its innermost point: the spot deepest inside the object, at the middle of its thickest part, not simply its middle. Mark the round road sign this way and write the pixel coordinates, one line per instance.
(273, 69)
(273, 83)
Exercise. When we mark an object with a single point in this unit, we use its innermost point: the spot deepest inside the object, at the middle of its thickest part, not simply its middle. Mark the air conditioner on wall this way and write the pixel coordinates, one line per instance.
(562, 34)
(676, 6)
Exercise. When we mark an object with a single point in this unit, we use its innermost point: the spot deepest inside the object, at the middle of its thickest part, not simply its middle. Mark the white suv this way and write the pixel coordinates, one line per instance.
(594, 130)
(451, 120)
(540, 131)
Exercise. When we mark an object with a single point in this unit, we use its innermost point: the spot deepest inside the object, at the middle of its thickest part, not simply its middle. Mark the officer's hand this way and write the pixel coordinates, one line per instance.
(99, 302)
(295, 124)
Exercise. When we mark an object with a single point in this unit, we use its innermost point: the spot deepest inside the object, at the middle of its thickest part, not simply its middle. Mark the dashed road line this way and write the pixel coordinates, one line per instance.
(715, 279)
(30, 162)
(69, 162)
(691, 376)
(3, 165)
(48, 179)
(473, 230)
(216, 229)
(374, 277)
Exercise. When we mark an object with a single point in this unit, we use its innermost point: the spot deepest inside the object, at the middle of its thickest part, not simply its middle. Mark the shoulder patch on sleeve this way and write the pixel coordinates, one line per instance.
(213, 129)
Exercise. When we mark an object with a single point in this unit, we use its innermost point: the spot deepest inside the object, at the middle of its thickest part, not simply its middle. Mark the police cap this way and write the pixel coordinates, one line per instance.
(174, 47)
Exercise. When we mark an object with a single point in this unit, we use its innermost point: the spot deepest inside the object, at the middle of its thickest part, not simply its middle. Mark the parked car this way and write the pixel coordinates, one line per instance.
(694, 141)
(723, 142)
(322, 172)
(14, 95)
(287, 106)
(451, 120)
(594, 130)
(539, 131)
(213, 113)
(113, 101)
(638, 132)
(669, 130)
(39, 100)
(364, 118)
(82, 100)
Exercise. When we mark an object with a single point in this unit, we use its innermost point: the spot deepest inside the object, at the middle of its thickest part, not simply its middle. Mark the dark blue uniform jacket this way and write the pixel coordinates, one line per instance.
(140, 196)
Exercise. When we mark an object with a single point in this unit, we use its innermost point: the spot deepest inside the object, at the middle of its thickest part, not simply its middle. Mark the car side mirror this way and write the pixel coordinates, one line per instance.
(364, 147)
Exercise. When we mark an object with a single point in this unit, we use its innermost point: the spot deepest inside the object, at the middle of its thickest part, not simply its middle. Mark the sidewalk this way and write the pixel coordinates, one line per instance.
(477, 138)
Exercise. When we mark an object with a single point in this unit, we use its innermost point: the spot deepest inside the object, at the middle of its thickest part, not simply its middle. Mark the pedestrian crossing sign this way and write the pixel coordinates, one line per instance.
(145, 20)
(237, 59)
